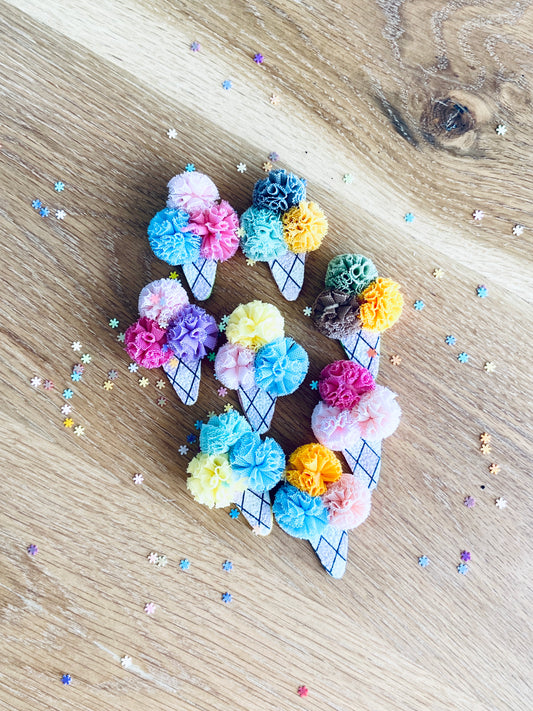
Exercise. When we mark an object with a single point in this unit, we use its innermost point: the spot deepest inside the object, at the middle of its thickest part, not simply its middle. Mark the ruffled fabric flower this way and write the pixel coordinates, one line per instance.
(299, 514)
(263, 235)
(217, 226)
(211, 480)
(342, 383)
(192, 333)
(162, 300)
(254, 324)
(336, 313)
(222, 431)
(146, 343)
(334, 428)
(377, 414)
(350, 272)
(261, 462)
(281, 366)
(348, 502)
(382, 304)
(311, 467)
(191, 191)
(234, 366)
(169, 238)
(279, 191)
(304, 227)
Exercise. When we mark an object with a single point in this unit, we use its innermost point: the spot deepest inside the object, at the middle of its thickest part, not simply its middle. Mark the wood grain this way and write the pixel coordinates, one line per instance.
(89, 91)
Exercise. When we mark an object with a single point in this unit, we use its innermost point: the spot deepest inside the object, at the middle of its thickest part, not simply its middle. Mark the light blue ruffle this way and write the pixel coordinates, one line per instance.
(222, 431)
(281, 366)
(299, 514)
(168, 240)
(261, 462)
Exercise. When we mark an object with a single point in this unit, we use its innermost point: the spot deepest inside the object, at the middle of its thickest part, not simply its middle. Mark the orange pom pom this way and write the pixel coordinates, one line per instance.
(311, 467)
(304, 227)
(382, 304)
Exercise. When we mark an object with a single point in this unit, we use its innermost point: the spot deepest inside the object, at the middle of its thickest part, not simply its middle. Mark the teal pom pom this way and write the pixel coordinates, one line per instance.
(261, 462)
(222, 431)
(281, 366)
(351, 273)
(279, 191)
(169, 239)
(263, 235)
(299, 514)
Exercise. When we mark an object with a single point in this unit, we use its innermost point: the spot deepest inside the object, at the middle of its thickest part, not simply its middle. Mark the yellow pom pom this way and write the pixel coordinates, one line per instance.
(382, 304)
(304, 227)
(254, 324)
(212, 481)
(311, 467)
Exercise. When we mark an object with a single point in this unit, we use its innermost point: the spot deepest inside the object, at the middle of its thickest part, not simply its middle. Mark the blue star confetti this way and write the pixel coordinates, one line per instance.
(75, 377)
(59, 186)
(66, 679)
(226, 84)
(190, 168)
(36, 204)
(227, 565)
(409, 217)
(450, 340)
(68, 393)
(44, 212)
(234, 513)
(462, 568)
(462, 357)
(226, 597)
(482, 291)
(313, 384)
(198, 424)
(419, 304)
(423, 561)
(191, 438)
(185, 564)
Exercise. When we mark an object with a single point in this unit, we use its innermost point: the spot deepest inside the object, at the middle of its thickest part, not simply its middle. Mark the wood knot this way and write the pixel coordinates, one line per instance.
(446, 119)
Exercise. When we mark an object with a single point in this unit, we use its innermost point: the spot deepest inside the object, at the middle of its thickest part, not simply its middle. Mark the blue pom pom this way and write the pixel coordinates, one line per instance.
(263, 235)
(279, 191)
(262, 462)
(222, 431)
(299, 514)
(168, 240)
(281, 366)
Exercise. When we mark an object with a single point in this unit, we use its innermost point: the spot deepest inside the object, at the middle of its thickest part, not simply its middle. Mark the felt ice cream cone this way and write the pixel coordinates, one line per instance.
(257, 510)
(258, 407)
(363, 347)
(200, 276)
(332, 550)
(288, 272)
(184, 378)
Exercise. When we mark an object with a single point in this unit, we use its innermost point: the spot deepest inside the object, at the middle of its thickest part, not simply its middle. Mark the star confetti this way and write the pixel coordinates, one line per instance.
(313, 384)
(108, 385)
(173, 275)
(78, 368)
(267, 166)
(485, 437)
(48, 385)
(234, 513)
(113, 322)
(501, 503)
(274, 99)
(395, 359)
(66, 679)
(183, 449)
(469, 502)
(162, 560)
(44, 212)
(121, 337)
(152, 557)
(125, 661)
(211, 356)
(372, 353)
(79, 430)
(150, 608)
(482, 291)
(518, 230)
(35, 382)
(75, 377)
(347, 178)
(409, 217)
(195, 46)
(303, 691)
(68, 393)
(86, 358)
(227, 597)
(60, 214)
(307, 311)
(423, 561)
(489, 367)
(143, 382)
(76, 346)
(190, 168)
(241, 167)
(438, 273)
(478, 215)
(251, 262)
(462, 568)
(133, 367)
(465, 556)
(185, 564)
(227, 565)
(258, 58)
(494, 469)
(160, 384)
(161, 401)
(59, 186)
(273, 156)
(36, 204)
(137, 479)
(112, 375)
(68, 422)
(227, 84)
(228, 407)
(32, 549)
(501, 129)
(172, 133)
(485, 449)
(191, 438)
(450, 340)
(419, 304)
(462, 357)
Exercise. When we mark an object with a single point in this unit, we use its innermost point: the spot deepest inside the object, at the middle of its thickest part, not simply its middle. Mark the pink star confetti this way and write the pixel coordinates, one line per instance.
(152, 558)
(48, 385)
(469, 502)
(137, 479)
(149, 608)
(222, 392)
(303, 691)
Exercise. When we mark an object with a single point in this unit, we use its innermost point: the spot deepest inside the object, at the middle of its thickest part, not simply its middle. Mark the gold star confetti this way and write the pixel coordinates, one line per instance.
(267, 166)
(108, 385)
(160, 384)
(489, 367)
(395, 359)
(438, 273)
(68, 422)
(485, 449)
(250, 262)
(173, 362)
(274, 99)
(485, 437)
(79, 430)
(494, 468)
(143, 382)
(173, 275)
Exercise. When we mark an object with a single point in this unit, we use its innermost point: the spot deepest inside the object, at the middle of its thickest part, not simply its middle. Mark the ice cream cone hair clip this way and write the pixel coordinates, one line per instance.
(281, 227)
(195, 230)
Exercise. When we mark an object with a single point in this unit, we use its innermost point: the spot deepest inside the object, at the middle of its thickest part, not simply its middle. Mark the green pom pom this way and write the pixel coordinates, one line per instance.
(351, 273)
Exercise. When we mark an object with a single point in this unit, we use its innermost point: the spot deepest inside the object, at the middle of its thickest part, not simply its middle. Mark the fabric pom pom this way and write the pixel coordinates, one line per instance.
(262, 463)
(342, 383)
(162, 300)
(170, 240)
(211, 480)
(222, 431)
(350, 272)
(348, 502)
(304, 227)
(146, 343)
(299, 514)
(234, 366)
(191, 333)
(377, 414)
(191, 191)
(382, 304)
(281, 366)
(254, 324)
(311, 467)
(279, 191)
(217, 226)
(263, 235)
(336, 313)
(334, 428)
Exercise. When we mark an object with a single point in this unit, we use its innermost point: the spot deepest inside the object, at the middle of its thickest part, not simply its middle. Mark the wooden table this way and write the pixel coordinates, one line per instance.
(403, 97)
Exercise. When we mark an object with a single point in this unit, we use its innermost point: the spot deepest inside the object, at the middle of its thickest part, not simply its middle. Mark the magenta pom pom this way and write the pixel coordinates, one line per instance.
(334, 428)
(145, 342)
(191, 191)
(348, 502)
(377, 414)
(343, 382)
(234, 366)
(217, 226)
(162, 300)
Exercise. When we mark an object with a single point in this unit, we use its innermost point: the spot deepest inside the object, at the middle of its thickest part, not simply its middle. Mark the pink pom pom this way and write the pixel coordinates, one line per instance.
(191, 191)
(234, 366)
(145, 343)
(218, 227)
(333, 427)
(162, 300)
(343, 382)
(348, 502)
(378, 414)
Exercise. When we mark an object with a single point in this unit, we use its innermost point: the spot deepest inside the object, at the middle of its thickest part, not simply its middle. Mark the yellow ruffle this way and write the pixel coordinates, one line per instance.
(212, 481)
(382, 304)
(254, 324)
(311, 467)
(304, 227)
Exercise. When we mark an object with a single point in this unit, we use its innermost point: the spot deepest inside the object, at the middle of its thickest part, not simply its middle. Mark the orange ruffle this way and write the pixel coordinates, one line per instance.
(304, 227)
(311, 467)
(382, 304)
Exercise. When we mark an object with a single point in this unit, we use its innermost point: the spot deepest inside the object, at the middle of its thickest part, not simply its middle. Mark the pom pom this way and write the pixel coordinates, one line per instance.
(348, 502)
(336, 313)
(382, 304)
(263, 235)
(350, 272)
(191, 333)
(211, 480)
(170, 240)
(191, 191)
(262, 463)
(334, 428)
(304, 227)
(146, 343)
(217, 226)
(279, 191)
(234, 366)
(378, 414)
(281, 366)
(222, 431)
(299, 514)
(254, 324)
(162, 300)
(311, 467)
(342, 383)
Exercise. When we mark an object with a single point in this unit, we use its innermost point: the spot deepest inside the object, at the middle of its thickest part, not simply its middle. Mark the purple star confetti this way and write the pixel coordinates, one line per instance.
(258, 58)
(465, 556)
(469, 502)
(32, 549)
